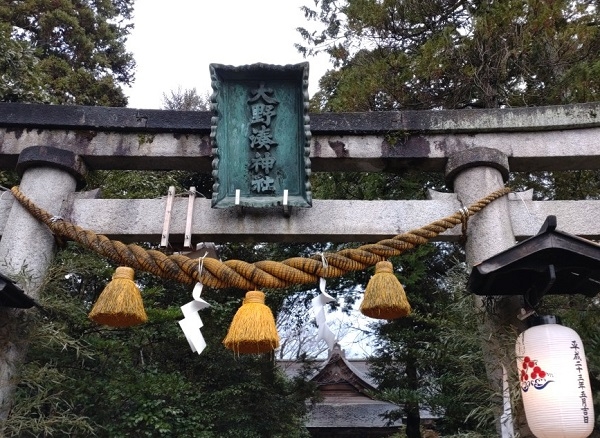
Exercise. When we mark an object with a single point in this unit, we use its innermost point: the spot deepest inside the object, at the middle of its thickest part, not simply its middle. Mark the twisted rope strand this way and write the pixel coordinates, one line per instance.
(250, 276)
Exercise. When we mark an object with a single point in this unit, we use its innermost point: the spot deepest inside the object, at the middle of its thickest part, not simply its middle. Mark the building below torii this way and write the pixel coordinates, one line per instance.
(347, 407)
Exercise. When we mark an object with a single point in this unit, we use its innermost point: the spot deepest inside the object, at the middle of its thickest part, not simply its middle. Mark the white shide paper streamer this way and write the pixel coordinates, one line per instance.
(191, 322)
(318, 305)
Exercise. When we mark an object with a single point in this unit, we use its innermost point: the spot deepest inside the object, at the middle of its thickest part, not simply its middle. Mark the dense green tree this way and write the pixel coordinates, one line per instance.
(20, 80)
(433, 360)
(414, 54)
(68, 51)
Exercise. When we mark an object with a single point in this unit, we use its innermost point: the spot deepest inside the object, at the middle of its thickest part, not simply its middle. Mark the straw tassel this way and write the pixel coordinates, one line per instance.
(253, 327)
(384, 295)
(120, 303)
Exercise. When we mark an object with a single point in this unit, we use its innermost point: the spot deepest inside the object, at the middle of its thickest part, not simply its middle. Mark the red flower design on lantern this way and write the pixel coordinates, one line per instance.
(532, 374)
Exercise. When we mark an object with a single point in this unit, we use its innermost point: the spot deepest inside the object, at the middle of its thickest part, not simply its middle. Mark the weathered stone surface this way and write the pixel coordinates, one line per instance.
(489, 232)
(446, 121)
(36, 156)
(541, 138)
(476, 157)
(327, 221)
(526, 151)
(26, 251)
(114, 150)
(102, 118)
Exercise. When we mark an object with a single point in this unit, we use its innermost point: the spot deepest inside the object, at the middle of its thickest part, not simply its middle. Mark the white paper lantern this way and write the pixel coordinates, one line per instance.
(554, 381)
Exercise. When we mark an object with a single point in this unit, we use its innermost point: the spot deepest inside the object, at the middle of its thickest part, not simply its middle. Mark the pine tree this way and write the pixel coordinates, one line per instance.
(415, 54)
(78, 48)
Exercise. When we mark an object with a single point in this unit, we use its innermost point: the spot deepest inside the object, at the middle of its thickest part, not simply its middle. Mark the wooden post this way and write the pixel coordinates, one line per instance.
(474, 172)
(48, 176)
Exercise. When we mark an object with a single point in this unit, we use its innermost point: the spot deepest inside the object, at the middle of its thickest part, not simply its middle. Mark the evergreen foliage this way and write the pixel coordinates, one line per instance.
(20, 80)
(81, 379)
(65, 51)
(414, 54)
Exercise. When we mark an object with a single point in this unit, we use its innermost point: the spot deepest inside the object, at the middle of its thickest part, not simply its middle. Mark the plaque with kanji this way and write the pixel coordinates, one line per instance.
(260, 134)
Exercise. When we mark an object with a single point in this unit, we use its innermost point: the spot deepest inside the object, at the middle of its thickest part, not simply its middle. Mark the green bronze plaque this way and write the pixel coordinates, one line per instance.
(260, 134)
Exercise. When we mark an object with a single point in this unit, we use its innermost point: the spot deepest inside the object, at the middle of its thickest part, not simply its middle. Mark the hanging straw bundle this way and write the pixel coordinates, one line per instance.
(384, 295)
(252, 329)
(120, 303)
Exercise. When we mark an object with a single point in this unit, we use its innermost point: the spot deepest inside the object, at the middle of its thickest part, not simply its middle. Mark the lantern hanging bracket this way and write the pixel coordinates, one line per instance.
(12, 296)
(534, 295)
(551, 262)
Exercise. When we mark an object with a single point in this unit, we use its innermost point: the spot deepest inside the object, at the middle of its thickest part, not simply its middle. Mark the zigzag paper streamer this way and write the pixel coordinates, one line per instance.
(191, 322)
(318, 305)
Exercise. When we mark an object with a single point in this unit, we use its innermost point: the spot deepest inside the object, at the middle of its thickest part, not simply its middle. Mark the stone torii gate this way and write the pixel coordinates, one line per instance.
(52, 146)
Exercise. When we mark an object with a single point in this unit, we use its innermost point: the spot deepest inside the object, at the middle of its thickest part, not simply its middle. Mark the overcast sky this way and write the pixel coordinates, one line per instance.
(174, 42)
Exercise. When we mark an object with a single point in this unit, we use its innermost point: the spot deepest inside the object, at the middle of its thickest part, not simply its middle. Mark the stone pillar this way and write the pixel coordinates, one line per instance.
(48, 176)
(475, 173)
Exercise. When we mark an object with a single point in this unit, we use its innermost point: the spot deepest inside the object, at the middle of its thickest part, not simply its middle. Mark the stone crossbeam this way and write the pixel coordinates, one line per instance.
(539, 138)
(363, 221)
